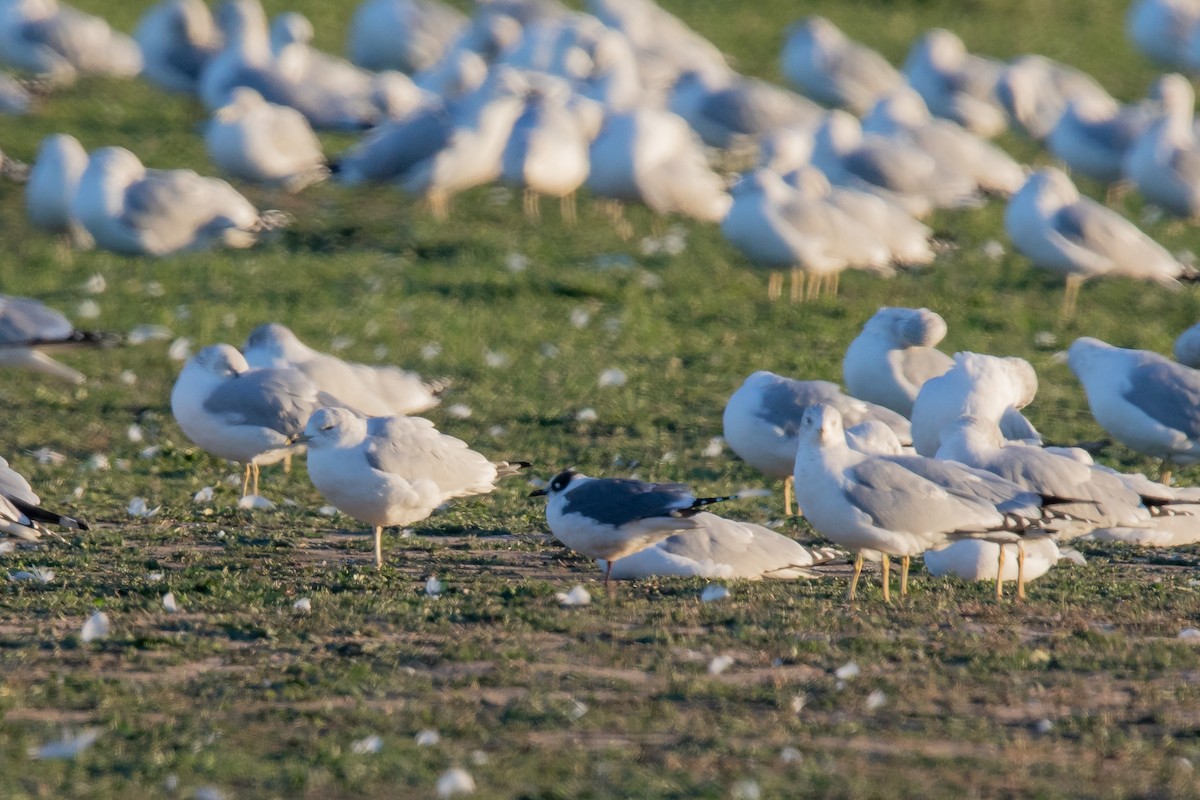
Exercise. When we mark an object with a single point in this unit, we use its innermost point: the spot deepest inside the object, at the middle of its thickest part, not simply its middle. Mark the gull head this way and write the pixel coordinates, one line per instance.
(818, 30)
(822, 424)
(235, 18)
(241, 100)
(274, 339)
(194, 21)
(333, 427)
(64, 152)
(809, 181)
(903, 107)
(1051, 187)
(558, 484)
(1175, 93)
(1086, 355)
(1024, 378)
(291, 27)
(116, 164)
(943, 48)
(219, 360)
(908, 327)
(840, 133)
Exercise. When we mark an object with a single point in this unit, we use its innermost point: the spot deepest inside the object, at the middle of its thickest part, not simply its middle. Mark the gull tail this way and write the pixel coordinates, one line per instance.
(39, 514)
(272, 220)
(1188, 274)
(438, 386)
(506, 469)
(13, 170)
(78, 339)
(699, 503)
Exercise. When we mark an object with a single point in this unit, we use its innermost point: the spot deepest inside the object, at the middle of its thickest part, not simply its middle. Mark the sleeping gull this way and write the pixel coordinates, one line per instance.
(405, 35)
(903, 115)
(610, 518)
(137, 211)
(1164, 162)
(28, 329)
(1058, 229)
(54, 39)
(178, 38)
(264, 143)
(1034, 90)
(390, 471)
(21, 514)
(723, 548)
(1144, 400)
(901, 505)
(1160, 29)
(761, 421)
(53, 182)
(726, 108)
(955, 84)
(252, 416)
(894, 355)
(833, 69)
(374, 391)
(905, 237)
(12, 169)
(779, 227)
(1095, 134)
(975, 560)
(989, 387)
(15, 97)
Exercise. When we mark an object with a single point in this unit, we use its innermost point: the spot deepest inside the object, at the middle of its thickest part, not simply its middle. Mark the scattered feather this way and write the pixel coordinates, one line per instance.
(139, 508)
(459, 411)
(7, 546)
(875, 700)
(719, 664)
(368, 746)
(798, 703)
(134, 433)
(149, 333)
(1043, 727)
(180, 349)
(37, 574)
(549, 350)
(790, 755)
(209, 793)
(97, 462)
(168, 601)
(495, 360)
(576, 597)
(328, 511)
(428, 738)
(516, 262)
(1190, 634)
(96, 627)
(580, 317)
(612, 377)
(339, 343)
(127, 377)
(154, 577)
(69, 746)
(205, 495)
(993, 250)
(49, 458)
(576, 709)
(746, 790)
(88, 309)
(303, 604)
(715, 447)
(183, 312)
(255, 502)
(95, 284)
(431, 351)
(496, 431)
(586, 415)
(154, 289)
(434, 587)
(455, 781)
(847, 671)
(713, 592)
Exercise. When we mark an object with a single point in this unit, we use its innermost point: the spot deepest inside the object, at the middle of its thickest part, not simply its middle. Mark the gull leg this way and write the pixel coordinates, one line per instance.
(904, 564)
(533, 206)
(1000, 574)
(1071, 296)
(378, 546)
(775, 286)
(787, 495)
(858, 562)
(1020, 570)
(797, 284)
(887, 579)
(257, 469)
(814, 286)
(833, 283)
(287, 464)
(566, 207)
(609, 589)
(246, 479)
(1164, 473)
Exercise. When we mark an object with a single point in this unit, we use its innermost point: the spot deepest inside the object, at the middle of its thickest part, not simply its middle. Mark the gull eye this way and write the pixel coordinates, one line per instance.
(327, 427)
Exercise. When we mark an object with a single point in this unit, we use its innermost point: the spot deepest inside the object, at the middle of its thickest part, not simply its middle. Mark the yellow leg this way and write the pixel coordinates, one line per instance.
(378, 547)
(814, 287)
(858, 562)
(787, 495)
(797, 284)
(1020, 570)
(833, 283)
(566, 207)
(287, 464)
(1071, 296)
(533, 205)
(904, 564)
(1000, 574)
(245, 479)
(256, 470)
(1164, 473)
(775, 286)
(439, 205)
(887, 579)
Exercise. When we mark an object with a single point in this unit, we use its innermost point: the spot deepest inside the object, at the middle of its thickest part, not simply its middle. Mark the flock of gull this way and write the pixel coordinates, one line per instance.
(924, 454)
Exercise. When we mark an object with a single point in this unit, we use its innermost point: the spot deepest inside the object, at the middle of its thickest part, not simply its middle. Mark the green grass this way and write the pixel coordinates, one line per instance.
(241, 692)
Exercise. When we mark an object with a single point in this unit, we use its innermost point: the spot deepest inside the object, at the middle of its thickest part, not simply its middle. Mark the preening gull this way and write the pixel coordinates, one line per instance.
(28, 329)
(900, 505)
(21, 514)
(1060, 230)
(1144, 400)
(723, 548)
(405, 35)
(762, 420)
(779, 227)
(611, 518)
(178, 38)
(53, 182)
(252, 416)
(833, 69)
(130, 209)
(392, 470)
(265, 143)
(894, 355)
(988, 387)
(955, 84)
(375, 391)
(1095, 133)
(59, 41)
(1034, 90)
